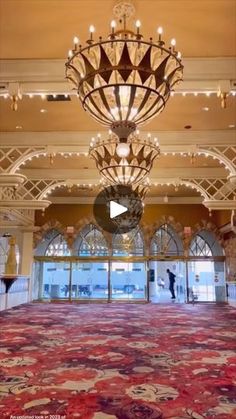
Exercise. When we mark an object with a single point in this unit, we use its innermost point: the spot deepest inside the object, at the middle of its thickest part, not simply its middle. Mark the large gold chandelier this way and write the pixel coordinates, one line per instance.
(124, 81)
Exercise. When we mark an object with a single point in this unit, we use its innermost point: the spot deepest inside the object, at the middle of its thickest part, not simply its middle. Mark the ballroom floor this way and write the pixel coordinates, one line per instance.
(124, 361)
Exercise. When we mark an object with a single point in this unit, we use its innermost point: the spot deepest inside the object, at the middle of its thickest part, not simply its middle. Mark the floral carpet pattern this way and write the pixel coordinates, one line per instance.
(125, 361)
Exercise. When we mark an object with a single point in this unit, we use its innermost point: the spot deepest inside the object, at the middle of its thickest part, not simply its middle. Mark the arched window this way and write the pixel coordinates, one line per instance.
(128, 244)
(199, 247)
(206, 277)
(52, 244)
(205, 243)
(58, 247)
(166, 242)
(91, 242)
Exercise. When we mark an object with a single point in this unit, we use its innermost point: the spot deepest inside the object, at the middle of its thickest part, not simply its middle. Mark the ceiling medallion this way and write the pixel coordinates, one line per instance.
(124, 163)
(124, 81)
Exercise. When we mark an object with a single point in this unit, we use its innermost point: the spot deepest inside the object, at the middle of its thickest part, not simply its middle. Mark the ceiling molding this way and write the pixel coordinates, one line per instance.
(220, 204)
(224, 154)
(15, 216)
(11, 180)
(90, 176)
(35, 76)
(25, 204)
(148, 201)
(79, 140)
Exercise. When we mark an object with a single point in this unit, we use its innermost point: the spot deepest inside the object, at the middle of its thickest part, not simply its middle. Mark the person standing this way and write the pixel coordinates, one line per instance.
(171, 283)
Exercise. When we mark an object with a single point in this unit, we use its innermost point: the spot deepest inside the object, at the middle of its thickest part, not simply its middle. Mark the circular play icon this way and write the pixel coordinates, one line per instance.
(118, 209)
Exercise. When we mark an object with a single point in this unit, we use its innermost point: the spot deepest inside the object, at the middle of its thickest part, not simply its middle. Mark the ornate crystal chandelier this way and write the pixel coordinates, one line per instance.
(125, 163)
(124, 81)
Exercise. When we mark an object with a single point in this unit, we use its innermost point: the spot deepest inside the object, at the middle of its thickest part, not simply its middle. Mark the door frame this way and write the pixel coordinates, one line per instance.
(127, 259)
(105, 259)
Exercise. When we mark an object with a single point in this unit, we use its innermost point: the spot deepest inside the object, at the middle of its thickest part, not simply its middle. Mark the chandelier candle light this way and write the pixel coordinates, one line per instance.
(124, 80)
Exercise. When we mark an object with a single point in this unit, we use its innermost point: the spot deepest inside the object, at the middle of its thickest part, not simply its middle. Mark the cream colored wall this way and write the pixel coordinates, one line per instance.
(187, 215)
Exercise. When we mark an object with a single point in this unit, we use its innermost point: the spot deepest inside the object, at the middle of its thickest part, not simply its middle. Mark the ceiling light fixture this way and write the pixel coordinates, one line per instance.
(124, 163)
(139, 190)
(124, 80)
(123, 150)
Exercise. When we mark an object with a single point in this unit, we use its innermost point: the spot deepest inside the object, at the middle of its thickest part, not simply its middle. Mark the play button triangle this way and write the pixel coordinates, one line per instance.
(116, 209)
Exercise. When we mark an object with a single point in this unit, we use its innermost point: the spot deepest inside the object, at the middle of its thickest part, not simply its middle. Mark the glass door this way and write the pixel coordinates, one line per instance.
(206, 281)
(89, 280)
(55, 280)
(128, 280)
(159, 281)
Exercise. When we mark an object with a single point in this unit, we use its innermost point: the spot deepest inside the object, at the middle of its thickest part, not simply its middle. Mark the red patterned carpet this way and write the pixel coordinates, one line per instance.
(118, 361)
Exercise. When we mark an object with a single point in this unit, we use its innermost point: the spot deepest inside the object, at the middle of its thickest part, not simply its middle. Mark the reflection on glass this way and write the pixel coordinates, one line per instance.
(91, 242)
(166, 242)
(199, 247)
(58, 247)
(128, 280)
(89, 280)
(55, 280)
(128, 244)
(206, 281)
(159, 288)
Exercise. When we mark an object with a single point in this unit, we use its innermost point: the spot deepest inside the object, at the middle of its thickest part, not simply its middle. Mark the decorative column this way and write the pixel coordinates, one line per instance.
(230, 253)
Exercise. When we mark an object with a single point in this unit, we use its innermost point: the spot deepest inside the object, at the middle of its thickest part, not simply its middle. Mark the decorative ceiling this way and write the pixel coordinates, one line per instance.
(35, 36)
(44, 29)
(201, 113)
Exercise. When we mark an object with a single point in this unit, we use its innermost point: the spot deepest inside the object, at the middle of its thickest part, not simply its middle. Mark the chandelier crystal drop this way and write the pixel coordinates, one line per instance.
(116, 167)
(124, 81)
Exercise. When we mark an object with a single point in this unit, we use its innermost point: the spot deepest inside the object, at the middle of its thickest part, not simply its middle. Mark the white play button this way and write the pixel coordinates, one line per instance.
(116, 209)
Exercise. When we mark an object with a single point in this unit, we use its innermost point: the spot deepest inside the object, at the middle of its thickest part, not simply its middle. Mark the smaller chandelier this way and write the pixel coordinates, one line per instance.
(124, 80)
(125, 163)
(132, 198)
(137, 191)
